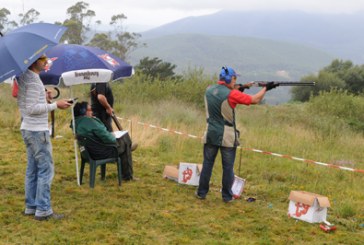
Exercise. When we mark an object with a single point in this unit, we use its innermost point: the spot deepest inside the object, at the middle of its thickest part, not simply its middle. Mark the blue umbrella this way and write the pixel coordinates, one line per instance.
(22, 46)
(77, 64)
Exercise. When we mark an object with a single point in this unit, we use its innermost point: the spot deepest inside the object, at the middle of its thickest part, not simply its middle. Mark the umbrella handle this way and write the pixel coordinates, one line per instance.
(52, 123)
(57, 92)
(52, 112)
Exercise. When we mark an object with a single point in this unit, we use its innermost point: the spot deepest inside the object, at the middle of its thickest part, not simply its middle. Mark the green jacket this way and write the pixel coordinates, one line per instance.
(220, 118)
(92, 127)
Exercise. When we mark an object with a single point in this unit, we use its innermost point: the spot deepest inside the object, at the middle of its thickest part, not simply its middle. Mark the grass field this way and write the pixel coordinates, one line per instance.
(153, 210)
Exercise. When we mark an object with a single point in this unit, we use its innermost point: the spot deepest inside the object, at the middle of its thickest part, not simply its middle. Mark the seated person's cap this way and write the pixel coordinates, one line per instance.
(227, 73)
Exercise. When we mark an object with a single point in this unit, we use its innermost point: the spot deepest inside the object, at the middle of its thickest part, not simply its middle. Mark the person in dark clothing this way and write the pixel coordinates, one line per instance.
(102, 102)
(88, 126)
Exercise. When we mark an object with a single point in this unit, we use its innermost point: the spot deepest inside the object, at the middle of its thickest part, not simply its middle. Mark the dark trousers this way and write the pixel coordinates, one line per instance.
(124, 149)
(228, 159)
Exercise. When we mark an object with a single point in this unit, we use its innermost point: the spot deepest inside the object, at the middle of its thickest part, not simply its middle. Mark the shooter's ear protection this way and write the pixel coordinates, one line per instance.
(226, 74)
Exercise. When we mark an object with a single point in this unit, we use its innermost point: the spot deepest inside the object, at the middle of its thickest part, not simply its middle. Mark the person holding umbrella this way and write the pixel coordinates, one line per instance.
(221, 134)
(32, 102)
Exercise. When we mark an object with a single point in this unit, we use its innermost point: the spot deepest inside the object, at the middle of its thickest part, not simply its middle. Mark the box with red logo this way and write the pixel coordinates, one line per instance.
(238, 186)
(308, 206)
(189, 173)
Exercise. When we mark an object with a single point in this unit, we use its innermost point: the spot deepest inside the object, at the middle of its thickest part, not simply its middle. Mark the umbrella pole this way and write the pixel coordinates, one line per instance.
(75, 141)
(76, 157)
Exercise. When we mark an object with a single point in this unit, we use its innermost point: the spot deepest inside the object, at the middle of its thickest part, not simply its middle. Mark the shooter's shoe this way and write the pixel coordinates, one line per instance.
(232, 199)
(199, 197)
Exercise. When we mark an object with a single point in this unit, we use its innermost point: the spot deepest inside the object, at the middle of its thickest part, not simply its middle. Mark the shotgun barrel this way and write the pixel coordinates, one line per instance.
(283, 83)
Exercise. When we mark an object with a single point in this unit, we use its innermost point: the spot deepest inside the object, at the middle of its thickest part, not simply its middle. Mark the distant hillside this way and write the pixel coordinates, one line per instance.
(253, 58)
(341, 35)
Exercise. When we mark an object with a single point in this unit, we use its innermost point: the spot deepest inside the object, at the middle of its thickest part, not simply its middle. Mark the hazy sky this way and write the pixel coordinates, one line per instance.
(153, 13)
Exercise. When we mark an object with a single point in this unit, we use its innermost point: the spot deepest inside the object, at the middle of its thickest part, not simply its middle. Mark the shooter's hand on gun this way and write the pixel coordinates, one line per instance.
(270, 85)
(242, 87)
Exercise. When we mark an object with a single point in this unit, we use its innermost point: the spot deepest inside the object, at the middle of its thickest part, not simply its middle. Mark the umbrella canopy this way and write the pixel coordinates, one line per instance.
(22, 46)
(77, 64)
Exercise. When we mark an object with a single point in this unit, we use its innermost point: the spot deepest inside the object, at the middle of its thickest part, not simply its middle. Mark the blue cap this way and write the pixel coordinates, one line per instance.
(226, 74)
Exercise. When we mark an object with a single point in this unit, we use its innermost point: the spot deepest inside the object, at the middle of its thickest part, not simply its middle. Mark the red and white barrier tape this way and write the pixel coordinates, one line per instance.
(168, 130)
(305, 160)
(256, 150)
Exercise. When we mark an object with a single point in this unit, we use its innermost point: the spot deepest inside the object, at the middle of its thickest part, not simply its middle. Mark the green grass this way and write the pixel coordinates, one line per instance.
(154, 210)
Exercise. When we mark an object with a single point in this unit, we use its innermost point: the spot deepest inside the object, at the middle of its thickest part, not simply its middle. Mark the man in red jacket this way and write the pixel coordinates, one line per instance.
(220, 102)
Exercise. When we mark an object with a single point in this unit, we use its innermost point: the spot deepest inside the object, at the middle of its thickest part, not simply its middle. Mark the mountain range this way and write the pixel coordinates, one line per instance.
(341, 35)
(280, 45)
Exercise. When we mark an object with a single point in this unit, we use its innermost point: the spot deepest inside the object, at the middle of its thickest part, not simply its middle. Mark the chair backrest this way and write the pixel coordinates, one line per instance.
(82, 146)
(93, 149)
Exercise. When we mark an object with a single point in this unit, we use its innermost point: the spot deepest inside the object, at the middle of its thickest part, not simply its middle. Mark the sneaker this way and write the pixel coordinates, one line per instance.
(199, 197)
(134, 146)
(28, 212)
(48, 217)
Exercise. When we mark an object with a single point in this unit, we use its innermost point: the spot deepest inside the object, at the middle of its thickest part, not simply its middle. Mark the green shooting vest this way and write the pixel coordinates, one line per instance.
(221, 129)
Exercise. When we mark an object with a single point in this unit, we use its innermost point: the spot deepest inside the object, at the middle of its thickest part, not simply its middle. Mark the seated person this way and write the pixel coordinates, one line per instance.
(92, 127)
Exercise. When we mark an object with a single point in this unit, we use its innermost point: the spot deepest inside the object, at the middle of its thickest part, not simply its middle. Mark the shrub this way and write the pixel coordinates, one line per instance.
(338, 105)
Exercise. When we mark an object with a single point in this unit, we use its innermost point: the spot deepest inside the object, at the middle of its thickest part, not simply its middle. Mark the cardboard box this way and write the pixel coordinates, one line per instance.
(308, 206)
(238, 186)
(170, 172)
(189, 173)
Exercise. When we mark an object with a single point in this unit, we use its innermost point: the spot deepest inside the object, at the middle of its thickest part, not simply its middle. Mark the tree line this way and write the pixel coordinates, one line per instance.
(340, 75)
(81, 29)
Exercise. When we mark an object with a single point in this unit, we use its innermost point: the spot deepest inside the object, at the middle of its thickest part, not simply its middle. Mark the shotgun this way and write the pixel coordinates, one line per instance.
(282, 83)
(116, 121)
(241, 87)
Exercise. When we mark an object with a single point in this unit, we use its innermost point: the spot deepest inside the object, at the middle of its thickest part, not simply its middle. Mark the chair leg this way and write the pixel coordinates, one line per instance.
(103, 171)
(82, 170)
(92, 174)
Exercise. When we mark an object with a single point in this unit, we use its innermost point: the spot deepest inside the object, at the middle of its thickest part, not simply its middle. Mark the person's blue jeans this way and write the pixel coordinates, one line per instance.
(39, 172)
(228, 159)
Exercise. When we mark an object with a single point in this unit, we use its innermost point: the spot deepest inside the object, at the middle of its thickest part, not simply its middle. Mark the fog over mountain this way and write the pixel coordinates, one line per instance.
(341, 35)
